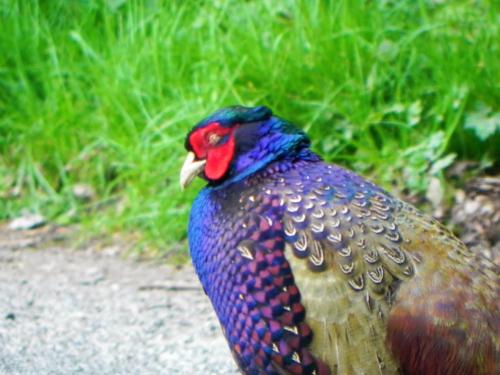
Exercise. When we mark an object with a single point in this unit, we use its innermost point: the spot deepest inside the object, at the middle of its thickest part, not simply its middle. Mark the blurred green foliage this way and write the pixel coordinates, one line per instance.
(102, 93)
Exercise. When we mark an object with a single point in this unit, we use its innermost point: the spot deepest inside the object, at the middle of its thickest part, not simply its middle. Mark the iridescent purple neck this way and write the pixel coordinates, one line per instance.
(276, 140)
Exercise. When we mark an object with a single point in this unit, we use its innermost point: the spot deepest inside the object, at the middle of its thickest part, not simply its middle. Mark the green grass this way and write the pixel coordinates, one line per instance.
(102, 92)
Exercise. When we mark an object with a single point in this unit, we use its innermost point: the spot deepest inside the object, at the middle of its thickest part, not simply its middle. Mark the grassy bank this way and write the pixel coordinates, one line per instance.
(102, 93)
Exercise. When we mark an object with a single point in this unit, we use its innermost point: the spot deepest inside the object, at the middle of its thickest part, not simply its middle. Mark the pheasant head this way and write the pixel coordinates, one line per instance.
(237, 141)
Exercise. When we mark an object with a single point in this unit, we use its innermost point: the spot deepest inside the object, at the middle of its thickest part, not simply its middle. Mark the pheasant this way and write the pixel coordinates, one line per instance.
(311, 269)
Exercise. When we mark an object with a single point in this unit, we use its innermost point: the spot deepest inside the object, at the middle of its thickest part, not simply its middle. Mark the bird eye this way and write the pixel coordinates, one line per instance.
(214, 138)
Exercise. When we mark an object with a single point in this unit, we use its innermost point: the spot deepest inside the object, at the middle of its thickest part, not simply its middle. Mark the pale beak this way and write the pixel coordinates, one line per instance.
(191, 169)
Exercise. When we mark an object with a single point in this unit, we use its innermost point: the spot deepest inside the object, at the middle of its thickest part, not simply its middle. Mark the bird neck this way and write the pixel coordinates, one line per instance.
(278, 141)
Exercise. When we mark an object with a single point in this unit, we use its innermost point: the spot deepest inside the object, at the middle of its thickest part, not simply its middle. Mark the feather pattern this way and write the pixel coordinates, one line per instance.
(311, 269)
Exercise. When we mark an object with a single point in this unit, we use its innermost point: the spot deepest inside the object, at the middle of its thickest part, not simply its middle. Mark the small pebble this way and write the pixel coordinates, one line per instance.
(10, 316)
(83, 192)
(27, 221)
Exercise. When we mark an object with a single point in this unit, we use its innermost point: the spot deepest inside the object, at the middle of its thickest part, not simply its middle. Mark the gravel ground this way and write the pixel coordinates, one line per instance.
(66, 311)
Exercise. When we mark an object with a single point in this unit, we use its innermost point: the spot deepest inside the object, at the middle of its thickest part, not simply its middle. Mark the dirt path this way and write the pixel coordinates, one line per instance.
(68, 311)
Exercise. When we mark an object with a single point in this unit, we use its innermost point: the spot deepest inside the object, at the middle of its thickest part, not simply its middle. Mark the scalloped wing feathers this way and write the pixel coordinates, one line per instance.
(313, 270)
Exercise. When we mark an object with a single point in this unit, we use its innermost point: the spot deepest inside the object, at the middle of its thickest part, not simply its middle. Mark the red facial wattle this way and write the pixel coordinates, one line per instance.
(218, 157)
